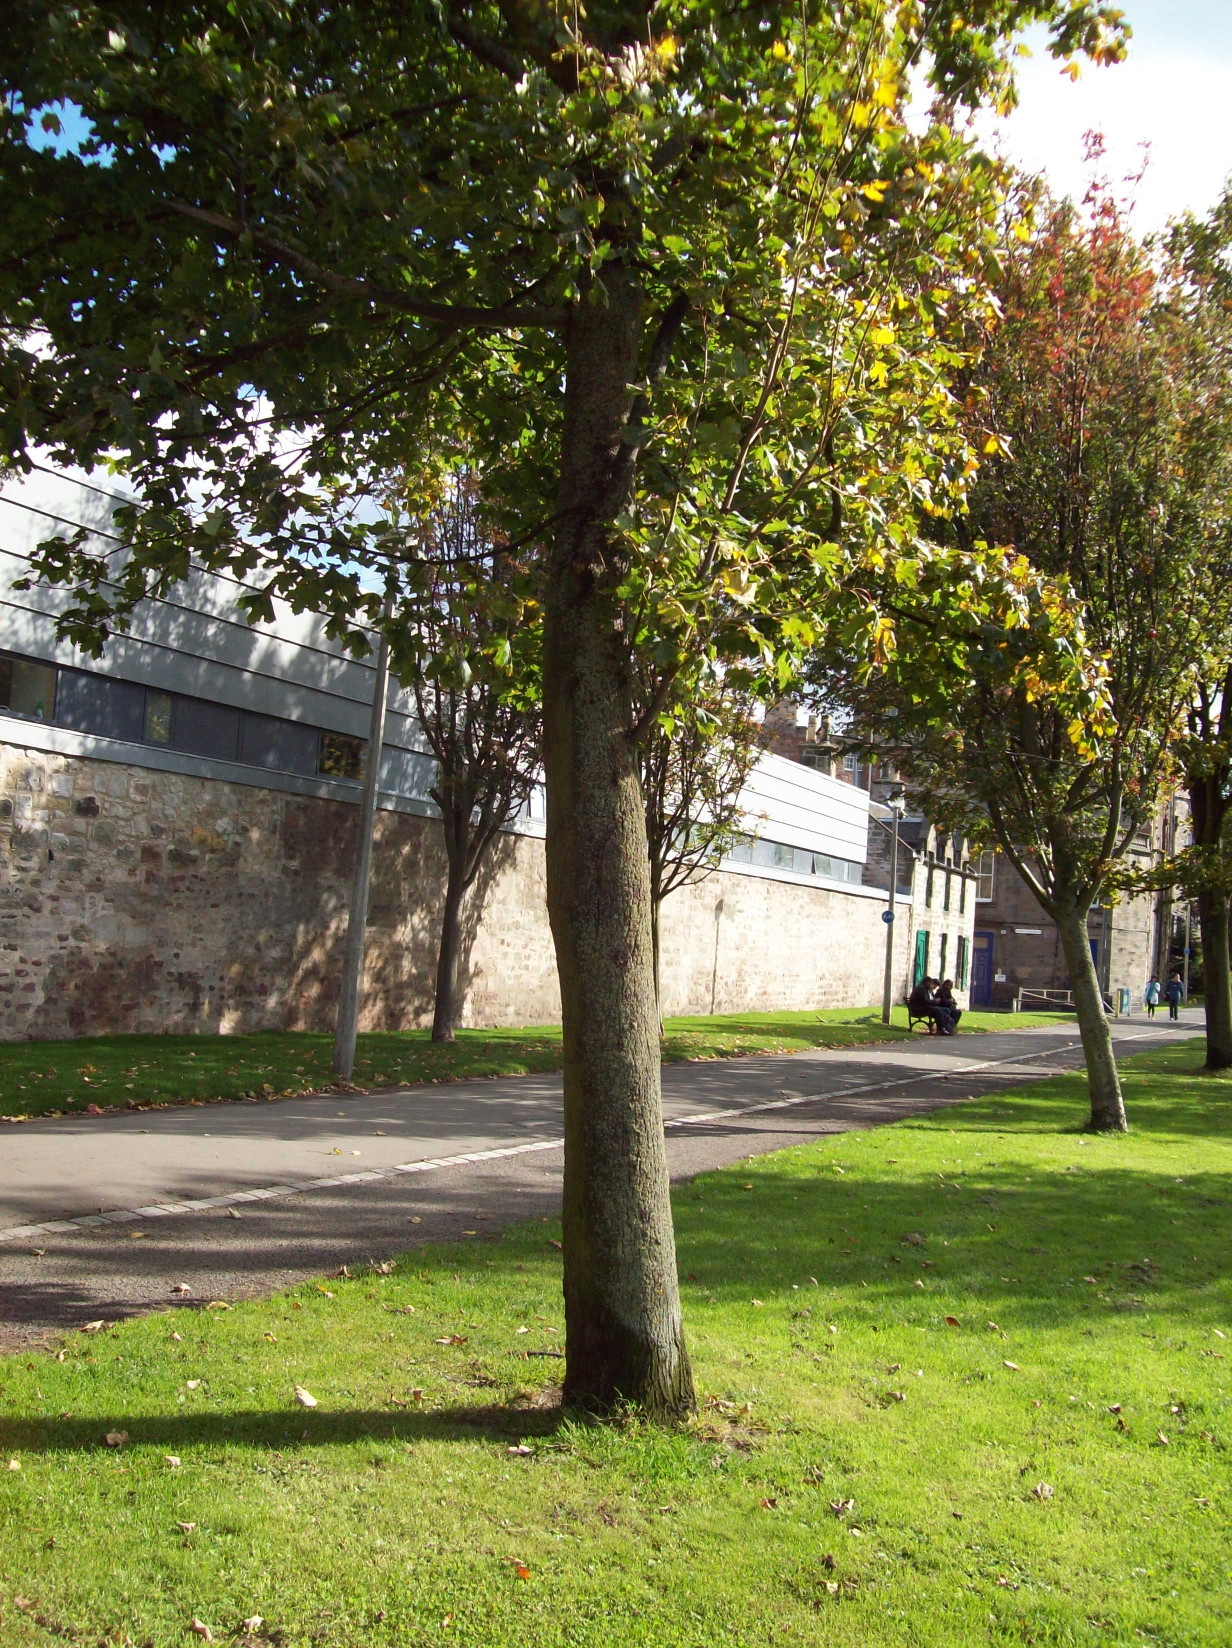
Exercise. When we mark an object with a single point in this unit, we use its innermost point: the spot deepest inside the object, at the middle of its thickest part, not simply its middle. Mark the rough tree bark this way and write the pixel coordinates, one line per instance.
(1070, 910)
(624, 1336)
(1216, 977)
(1208, 809)
(445, 1013)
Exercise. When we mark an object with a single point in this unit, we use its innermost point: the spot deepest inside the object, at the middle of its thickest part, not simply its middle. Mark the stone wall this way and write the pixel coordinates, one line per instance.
(135, 900)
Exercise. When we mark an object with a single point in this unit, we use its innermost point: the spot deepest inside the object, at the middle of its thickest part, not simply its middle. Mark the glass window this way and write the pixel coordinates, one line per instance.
(27, 688)
(850, 763)
(158, 707)
(945, 944)
(803, 861)
(283, 746)
(97, 704)
(986, 870)
(945, 896)
(964, 951)
(208, 729)
(342, 756)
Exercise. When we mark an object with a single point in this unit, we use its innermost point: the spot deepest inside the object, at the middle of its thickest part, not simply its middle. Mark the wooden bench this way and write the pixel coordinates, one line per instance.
(929, 1023)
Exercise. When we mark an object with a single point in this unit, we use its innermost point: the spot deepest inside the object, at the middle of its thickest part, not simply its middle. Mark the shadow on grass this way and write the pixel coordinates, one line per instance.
(302, 1428)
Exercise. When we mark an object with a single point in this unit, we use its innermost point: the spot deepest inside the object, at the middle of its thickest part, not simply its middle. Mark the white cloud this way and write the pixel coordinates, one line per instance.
(1168, 94)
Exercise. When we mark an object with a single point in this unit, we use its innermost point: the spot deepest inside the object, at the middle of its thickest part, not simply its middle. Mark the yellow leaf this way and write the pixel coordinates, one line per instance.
(861, 115)
(1072, 69)
(780, 51)
(886, 95)
(992, 446)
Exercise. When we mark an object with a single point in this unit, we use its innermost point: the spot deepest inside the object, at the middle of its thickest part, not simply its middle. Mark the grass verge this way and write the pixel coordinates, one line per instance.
(965, 1380)
(57, 1077)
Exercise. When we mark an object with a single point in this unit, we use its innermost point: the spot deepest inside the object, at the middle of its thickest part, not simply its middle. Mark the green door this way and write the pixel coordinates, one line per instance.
(920, 967)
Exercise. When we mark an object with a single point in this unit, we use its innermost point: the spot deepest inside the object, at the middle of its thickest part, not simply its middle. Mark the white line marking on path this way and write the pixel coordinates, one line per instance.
(89, 1221)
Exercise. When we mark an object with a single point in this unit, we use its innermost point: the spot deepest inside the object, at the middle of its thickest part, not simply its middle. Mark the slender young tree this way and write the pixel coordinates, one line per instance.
(1084, 407)
(695, 763)
(469, 651)
(658, 271)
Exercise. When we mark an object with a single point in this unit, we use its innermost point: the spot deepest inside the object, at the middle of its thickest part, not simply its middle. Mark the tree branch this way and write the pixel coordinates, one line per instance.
(460, 316)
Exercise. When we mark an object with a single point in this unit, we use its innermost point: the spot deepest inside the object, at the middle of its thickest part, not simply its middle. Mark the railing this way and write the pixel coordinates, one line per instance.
(1055, 1000)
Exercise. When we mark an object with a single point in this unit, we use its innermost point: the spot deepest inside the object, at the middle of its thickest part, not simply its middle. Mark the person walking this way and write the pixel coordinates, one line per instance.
(1174, 990)
(1152, 998)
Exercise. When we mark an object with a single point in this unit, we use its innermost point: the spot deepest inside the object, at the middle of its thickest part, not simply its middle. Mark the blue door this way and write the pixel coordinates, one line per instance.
(981, 968)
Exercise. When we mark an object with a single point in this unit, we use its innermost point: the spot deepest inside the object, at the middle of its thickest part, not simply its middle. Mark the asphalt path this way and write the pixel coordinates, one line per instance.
(105, 1216)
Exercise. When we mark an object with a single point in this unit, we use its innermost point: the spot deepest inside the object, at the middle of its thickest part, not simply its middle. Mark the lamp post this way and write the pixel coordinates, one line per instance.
(357, 915)
(897, 804)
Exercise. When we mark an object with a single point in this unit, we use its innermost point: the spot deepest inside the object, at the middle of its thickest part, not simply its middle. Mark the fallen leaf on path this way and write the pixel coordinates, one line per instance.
(416, 1220)
(136, 1235)
(305, 1398)
(116, 1439)
(233, 1213)
(181, 1287)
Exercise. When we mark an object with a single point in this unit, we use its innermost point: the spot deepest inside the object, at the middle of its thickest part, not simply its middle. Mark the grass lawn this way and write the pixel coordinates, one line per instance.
(965, 1380)
(47, 1077)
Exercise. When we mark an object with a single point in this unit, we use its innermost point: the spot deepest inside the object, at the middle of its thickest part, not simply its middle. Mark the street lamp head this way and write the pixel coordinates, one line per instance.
(897, 802)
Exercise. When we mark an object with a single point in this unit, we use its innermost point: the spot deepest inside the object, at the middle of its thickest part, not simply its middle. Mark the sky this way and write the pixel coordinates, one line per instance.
(1173, 92)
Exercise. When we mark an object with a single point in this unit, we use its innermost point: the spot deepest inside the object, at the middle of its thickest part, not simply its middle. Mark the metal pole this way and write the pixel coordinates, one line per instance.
(1188, 937)
(357, 918)
(887, 988)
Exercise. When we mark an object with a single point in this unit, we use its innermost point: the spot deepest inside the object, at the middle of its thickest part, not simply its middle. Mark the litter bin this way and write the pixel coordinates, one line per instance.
(1122, 1003)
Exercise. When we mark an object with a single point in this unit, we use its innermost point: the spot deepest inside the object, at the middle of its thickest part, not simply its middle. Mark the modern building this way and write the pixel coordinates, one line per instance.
(178, 827)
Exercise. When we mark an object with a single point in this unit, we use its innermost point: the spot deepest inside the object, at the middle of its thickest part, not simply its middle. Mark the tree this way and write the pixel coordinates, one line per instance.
(694, 766)
(1084, 407)
(659, 274)
(468, 649)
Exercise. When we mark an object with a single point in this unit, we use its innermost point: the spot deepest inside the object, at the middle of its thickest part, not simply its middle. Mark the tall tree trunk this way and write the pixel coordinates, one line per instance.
(624, 1337)
(445, 1016)
(656, 926)
(1216, 978)
(1103, 1082)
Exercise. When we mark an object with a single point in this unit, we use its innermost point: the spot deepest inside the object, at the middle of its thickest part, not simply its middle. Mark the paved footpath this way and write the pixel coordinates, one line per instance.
(104, 1216)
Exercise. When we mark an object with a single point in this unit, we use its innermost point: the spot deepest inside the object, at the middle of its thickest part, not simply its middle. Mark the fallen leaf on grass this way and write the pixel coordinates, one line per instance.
(136, 1235)
(200, 1629)
(175, 1338)
(769, 1504)
(14, 1464)
(94, 1327)
(417, 1394)
(756, 1301)
(232, 1213)
(116, 1439)
(520, 1448)
(521, 1570)
(192, 1384)
(841, 1507)
(1114, 1407)
(305, 1398)
(342, 1273)
(1013, 1367)
(1161, 1441)
(952, 1322)
(172, 1461)
(559, 1246)
(324, 1290)
(451, 1339)
(252, 1624)
(1041, 1490)
(218, 1304)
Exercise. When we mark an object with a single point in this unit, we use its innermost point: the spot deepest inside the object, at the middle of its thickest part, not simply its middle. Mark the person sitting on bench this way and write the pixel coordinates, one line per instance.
(922, 1004)
(945, 1000)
